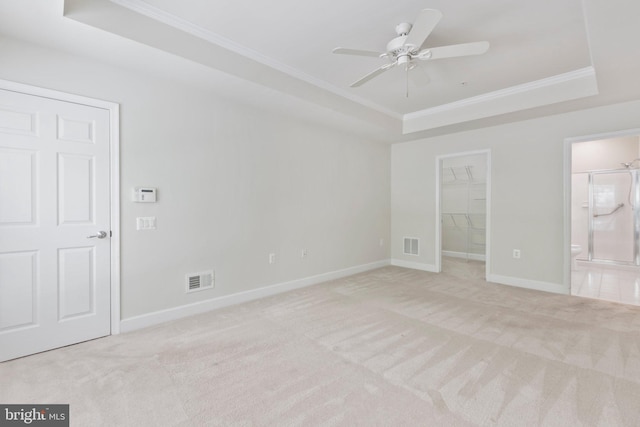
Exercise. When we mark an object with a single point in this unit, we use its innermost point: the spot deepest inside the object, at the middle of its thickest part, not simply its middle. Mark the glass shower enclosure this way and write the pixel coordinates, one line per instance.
(606, 216)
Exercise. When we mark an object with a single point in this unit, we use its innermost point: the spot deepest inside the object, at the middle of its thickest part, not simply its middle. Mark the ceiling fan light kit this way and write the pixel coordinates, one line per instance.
(406, 50)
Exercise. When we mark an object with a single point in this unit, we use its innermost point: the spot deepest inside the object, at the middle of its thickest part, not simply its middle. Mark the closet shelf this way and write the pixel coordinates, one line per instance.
(467, 221)
(459, 175)
(464, 227)
(465, 213)
(463, 182)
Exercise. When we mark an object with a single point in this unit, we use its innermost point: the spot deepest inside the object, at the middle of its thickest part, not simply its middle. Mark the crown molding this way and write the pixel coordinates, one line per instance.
(562, 87)
(178, 23)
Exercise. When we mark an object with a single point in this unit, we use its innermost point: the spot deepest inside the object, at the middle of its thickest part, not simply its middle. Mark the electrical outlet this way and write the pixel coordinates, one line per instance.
(516, 253)
(303, 253)
(272, 258)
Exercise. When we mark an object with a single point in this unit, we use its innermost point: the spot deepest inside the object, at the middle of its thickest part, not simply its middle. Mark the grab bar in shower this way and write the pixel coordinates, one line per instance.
(616, 209)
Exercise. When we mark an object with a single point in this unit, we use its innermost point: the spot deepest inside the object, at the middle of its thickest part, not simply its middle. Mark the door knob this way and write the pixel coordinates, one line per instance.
(100, 235)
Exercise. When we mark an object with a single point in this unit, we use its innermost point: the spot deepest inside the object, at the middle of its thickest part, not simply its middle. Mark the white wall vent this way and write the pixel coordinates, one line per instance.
(411, 246)
(200, 281)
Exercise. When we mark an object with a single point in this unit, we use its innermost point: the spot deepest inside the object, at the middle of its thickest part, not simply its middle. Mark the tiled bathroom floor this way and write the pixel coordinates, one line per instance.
(611, 283)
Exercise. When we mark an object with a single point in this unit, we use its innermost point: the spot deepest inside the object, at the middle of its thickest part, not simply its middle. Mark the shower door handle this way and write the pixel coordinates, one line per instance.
(616, 209)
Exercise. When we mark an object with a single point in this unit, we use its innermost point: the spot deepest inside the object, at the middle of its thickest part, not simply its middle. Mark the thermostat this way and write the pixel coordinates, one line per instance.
(144, 194)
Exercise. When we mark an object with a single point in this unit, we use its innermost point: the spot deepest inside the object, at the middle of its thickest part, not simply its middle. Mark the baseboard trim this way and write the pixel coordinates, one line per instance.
(174, 313)
(535, 285)
(414, 265)
(464, 255)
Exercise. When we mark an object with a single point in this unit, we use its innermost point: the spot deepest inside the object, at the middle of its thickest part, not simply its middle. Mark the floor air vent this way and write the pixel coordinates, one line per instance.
(411, 246)
(200, 281)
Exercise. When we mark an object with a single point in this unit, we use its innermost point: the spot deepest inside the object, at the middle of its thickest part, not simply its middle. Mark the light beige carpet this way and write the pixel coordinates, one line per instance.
(391, 347)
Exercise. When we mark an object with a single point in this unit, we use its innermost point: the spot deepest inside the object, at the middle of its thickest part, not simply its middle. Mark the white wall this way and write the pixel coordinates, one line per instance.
(604, 153)
(234, 184)
(528, 205)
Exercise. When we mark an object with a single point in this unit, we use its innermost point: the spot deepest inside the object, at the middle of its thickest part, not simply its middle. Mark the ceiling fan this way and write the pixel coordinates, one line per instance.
(406, 49)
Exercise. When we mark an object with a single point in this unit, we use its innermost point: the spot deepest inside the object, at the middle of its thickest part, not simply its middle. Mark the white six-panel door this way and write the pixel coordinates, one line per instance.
(54, 195)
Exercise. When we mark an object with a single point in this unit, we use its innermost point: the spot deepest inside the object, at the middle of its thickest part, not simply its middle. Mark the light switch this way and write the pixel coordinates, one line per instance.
(146, 223)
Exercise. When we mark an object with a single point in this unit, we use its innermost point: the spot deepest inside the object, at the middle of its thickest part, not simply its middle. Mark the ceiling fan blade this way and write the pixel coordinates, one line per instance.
(451, 51)
(423, 26)
(357, 52)
(373, 74)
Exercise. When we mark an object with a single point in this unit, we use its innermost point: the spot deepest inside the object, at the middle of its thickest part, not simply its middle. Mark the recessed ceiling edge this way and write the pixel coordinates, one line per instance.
(563, 87)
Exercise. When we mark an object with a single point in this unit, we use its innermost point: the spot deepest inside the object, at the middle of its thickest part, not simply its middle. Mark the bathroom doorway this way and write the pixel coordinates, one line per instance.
(463, 203)
(605, 218)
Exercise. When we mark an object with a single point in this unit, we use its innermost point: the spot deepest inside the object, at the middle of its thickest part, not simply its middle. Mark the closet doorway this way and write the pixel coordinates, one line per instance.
(463, 202)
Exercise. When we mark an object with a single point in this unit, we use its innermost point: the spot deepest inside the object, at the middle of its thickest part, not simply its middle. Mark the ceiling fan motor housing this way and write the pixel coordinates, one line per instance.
(403, 28)
(398, 50)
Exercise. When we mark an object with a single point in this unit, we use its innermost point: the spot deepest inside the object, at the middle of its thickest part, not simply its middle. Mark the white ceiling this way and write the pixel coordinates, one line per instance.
(545, 57)
(527, 41)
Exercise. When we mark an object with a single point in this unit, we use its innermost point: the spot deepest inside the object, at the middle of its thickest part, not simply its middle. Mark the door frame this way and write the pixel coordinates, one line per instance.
(439, 159)
(114, 178)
